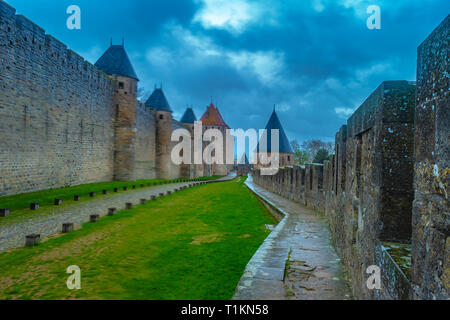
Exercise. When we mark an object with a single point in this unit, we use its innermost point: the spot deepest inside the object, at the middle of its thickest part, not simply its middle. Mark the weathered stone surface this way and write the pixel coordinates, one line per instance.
(431, 214)
(65, 122)
(32, 240)
(367, 190)
(67, 227)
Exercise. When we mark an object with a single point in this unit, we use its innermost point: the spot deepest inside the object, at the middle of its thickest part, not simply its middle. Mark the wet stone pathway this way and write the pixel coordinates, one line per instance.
(314, 271)
(13, 236)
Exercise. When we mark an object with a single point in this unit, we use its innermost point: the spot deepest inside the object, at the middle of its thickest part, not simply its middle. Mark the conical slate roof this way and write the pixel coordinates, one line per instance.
(158, 101)
(115, 61)
(212, 117)
(274, 124)
(189, 116)
(244, 159)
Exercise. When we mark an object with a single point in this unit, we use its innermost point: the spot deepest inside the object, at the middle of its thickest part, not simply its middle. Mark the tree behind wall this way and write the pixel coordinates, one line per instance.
(321, 156)
(313, 147)
(300, 156)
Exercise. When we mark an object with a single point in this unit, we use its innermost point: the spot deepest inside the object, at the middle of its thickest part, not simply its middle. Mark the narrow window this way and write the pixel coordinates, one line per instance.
(161, 117)
(121, 85)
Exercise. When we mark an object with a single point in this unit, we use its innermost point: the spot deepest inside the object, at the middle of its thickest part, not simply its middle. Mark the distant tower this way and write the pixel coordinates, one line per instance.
(189, 119)
(193, 170)
(285, 154)
(116, 63)
(212, 119)
(163, 113)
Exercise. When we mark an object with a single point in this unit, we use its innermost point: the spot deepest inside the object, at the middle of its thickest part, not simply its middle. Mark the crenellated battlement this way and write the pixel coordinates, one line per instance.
(61, 123)
(384, 191)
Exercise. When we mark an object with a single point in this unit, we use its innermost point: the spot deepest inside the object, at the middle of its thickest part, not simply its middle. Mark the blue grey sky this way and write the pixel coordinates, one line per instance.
(315, 59)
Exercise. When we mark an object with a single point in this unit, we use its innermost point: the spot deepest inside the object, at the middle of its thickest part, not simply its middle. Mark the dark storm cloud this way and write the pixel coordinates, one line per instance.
(315, 59)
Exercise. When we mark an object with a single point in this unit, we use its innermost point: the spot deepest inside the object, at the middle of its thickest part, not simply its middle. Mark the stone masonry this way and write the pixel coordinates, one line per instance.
(431, 221)
(396, 143)
(64, 122)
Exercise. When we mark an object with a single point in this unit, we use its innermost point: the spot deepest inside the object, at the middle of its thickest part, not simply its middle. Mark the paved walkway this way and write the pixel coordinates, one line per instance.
(314, 271)
(13, 236)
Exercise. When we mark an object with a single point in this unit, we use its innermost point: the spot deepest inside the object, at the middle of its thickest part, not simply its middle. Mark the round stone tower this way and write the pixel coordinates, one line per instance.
(163, 113)
(116, 63)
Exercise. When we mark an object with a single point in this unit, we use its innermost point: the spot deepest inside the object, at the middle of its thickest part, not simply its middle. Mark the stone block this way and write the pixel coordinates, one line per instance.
(112, 211)
(153, 198)
(76, 198)
(67, 227)
(4, 213)
(116, 190)
(32, 240)
(105, 191)
(94, 218)
(92, 194)
(125, 188)
(34, 206)
(58, 202)
(128, 205)
(143, 201)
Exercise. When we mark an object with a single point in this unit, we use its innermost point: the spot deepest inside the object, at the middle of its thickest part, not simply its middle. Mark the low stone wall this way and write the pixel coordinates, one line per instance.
(357, 188)
(388, 182)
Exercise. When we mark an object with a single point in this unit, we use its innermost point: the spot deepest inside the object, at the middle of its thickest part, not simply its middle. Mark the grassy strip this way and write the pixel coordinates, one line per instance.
(193, 244)
(20, 204)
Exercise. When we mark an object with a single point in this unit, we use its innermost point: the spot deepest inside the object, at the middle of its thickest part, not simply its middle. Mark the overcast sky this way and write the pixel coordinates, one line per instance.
(315, 59)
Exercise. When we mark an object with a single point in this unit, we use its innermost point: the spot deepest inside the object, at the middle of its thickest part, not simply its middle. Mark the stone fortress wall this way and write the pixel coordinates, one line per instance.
(55, 111)
(63, 122)
(388, 182)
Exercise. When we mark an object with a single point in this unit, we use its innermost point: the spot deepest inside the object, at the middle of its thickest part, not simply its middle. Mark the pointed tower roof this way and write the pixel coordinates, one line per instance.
(189, 116)
(275, 124)
(158, 101)
(115, 61)
(212, 117)
(244, 159)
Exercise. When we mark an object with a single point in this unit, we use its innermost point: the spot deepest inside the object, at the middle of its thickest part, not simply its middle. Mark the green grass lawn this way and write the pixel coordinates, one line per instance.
(20, 204)
(194, 244)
